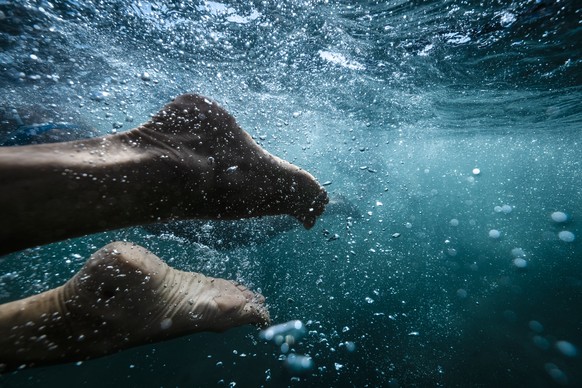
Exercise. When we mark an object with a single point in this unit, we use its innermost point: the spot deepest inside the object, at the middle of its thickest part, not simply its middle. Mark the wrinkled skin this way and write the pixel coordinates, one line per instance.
(123, 296)
(191, 160)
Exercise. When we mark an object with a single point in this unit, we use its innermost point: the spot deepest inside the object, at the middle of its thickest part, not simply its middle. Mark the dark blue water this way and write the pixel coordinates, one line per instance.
(396, 103)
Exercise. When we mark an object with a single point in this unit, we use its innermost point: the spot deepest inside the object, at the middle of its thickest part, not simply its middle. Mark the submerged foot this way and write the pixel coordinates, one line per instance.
(212, 154)
(126, 296)
(123, 296)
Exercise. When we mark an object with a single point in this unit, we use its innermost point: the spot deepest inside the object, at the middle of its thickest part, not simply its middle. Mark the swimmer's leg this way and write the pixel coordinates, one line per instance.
(191, 160)
(124, 296)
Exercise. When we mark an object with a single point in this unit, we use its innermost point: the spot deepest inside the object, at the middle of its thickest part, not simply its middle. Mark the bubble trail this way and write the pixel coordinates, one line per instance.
(288, 332)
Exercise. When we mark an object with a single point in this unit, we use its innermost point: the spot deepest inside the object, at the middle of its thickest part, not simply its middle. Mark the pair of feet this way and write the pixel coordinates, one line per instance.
(199, 163)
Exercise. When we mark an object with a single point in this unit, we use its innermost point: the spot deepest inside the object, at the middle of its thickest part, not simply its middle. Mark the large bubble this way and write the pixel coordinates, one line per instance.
(494, 233)
(566, 236)
(559, 217)
(567, 348)
(298, 364)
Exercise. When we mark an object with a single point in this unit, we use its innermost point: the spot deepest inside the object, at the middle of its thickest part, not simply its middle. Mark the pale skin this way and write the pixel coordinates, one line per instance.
(191, 160)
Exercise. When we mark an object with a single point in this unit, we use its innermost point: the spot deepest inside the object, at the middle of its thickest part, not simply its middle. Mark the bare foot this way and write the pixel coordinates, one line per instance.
(240, 178)
(124, 296)
(191, 160)
(141, 299)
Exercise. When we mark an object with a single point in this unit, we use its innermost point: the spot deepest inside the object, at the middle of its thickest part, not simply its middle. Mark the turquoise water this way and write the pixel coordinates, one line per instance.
(395, 103)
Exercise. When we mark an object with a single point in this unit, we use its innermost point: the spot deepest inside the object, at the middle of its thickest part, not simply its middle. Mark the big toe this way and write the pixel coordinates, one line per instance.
(244, 306)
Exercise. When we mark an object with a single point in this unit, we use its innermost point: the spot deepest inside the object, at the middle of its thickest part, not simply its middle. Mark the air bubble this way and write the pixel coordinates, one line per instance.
(567, 348)
(518, 252)
(559, 217)
(494, 233)
(166, 323)
(536, 326)
(298, 364)
(556, 373)
(566, 236)
(350, 346)
(541, 342)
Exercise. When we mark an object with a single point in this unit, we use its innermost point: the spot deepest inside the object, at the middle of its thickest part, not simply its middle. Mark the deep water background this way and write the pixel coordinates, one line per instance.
(395, 103)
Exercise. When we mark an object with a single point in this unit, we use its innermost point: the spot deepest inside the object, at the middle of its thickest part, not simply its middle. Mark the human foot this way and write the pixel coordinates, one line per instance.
(239, 178)
(123, 296)
(191, 160)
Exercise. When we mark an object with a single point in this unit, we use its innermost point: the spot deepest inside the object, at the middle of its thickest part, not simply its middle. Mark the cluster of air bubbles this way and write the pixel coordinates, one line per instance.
(506, 19)
(561, 218)
(519, 260)
(565, 348)
(286, 335)
(475, 172)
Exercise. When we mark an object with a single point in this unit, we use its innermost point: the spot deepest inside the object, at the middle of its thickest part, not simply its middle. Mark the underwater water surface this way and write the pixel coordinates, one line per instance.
(452, 128)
